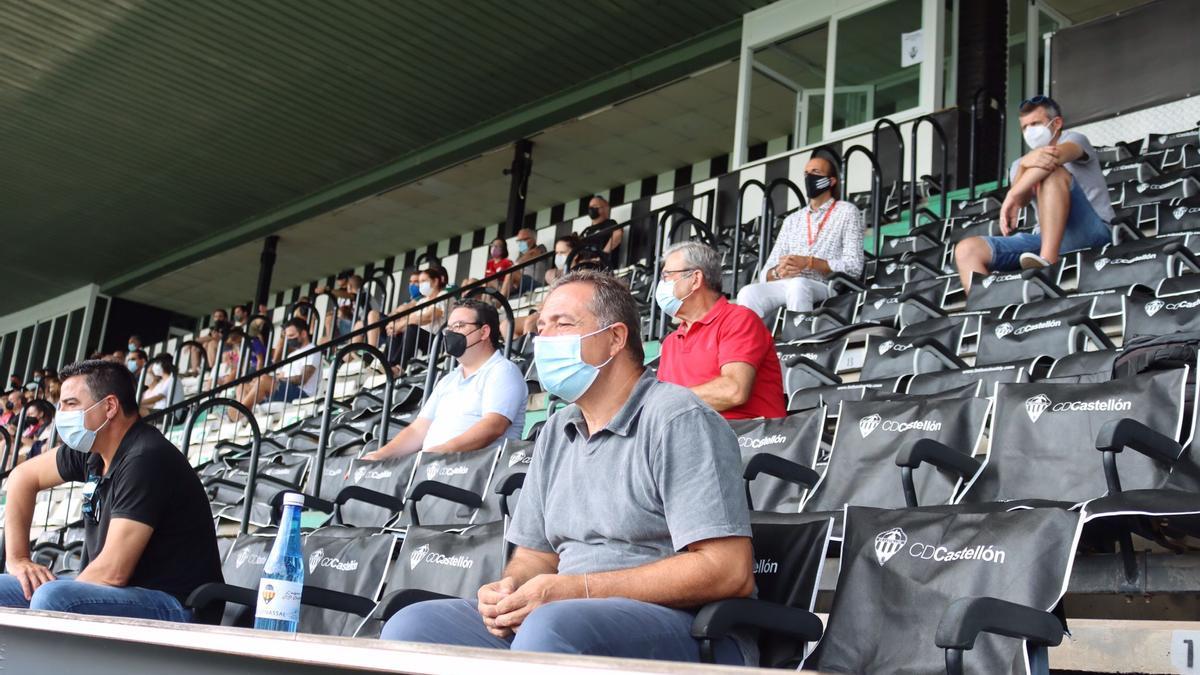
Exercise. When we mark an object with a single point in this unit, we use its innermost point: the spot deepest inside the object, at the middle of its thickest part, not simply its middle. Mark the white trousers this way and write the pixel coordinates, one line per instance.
(798, 294)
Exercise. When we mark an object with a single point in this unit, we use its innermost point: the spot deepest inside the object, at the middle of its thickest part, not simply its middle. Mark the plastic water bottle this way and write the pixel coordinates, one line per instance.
(282, 581)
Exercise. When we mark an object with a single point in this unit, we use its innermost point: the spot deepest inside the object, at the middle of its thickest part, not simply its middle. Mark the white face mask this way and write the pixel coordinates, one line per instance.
(426, 288)
(157, 369)
(560, 260)
(1038, 135)
(71, 429)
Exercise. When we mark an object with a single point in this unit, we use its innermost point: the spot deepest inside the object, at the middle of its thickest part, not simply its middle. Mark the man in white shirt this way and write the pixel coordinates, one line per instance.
(824, 237)
(292, 381)
(475, 405)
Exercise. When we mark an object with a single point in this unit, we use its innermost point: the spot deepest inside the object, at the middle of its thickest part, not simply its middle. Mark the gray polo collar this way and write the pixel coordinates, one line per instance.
(623, 422)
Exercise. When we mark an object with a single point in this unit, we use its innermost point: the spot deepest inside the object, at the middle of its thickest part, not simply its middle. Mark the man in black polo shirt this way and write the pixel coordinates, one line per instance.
(598, 211)
(148, 531)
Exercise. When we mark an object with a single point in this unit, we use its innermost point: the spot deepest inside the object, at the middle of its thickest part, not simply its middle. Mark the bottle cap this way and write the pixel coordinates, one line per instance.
(293, 499)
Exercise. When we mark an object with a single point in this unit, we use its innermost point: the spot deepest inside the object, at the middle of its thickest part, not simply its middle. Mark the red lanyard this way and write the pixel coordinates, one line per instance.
(812, 239)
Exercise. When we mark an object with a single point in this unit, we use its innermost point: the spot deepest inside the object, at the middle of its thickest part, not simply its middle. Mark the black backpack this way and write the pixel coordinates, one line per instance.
(1163, 352)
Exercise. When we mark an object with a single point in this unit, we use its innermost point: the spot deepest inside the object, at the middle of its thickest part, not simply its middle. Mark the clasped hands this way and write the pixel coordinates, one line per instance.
(504, 606)
(793, 265)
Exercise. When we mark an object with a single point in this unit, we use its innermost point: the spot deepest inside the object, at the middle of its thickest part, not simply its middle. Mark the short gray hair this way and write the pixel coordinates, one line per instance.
(700, 257)
(611, 303)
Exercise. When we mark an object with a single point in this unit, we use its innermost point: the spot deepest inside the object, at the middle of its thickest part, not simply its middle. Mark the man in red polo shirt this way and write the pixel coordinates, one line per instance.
(721, 351)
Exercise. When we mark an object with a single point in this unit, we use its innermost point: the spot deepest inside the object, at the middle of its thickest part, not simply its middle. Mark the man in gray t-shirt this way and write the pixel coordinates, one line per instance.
(633, 513)
(1062, 175)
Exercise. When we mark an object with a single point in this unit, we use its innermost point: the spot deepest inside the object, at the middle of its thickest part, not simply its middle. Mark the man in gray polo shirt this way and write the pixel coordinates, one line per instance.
(1062, 173)
(633, 512)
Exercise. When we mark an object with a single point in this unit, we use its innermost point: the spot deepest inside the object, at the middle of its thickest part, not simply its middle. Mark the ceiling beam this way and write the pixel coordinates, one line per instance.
(673, 63)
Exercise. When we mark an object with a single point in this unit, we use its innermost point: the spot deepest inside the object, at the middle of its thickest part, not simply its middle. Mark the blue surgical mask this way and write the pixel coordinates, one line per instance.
(522, 247)
(131, 346)
(664, 295)
(69, 424)
(414, 291)
(131, 365)
(560, 365)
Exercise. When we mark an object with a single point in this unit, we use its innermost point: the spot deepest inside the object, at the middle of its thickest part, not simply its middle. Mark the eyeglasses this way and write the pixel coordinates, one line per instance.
(458, 326)
(666, 273)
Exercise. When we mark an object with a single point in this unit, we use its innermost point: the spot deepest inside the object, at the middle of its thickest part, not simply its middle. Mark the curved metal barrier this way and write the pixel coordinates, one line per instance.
(256, 440)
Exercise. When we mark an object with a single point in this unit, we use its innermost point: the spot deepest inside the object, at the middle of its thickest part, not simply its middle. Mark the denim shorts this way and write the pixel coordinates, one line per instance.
(285, 392)
(1084, 229)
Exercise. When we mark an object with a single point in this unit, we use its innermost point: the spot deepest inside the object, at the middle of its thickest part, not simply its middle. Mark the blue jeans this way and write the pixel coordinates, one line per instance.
(1084, 229)
(64, 595)
(527, 283)
(285, 392)
(607, 627)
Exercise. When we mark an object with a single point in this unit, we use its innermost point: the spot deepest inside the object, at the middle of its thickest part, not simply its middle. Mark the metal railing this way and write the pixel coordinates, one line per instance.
(912, 179)
(196, 406)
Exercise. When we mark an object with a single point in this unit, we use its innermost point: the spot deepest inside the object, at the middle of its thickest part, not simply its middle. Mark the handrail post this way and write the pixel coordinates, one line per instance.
(216, 371)
(252, 471)
(1001, 169)
(8, 446)
(141, 382)
(737, 230)
(16, 440)
(876, 188)
(912, 180)
(895, 129)
(435, 349)
(327, 413)
(971, 146)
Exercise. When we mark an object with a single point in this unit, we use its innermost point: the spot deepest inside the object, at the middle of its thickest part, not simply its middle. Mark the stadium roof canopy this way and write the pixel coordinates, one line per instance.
(139, 136)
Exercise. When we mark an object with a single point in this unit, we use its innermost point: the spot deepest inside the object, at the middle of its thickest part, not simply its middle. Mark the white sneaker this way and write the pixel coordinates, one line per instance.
(1033, 261)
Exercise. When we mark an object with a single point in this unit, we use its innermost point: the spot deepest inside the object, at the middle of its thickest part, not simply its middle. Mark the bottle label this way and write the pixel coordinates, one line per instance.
(278, 600)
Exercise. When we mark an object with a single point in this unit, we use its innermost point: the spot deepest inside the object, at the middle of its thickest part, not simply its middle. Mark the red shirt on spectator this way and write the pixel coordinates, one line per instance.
(495, 265)
(728, 333)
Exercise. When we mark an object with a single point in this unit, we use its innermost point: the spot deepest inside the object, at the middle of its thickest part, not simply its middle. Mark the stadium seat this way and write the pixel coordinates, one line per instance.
(902, 573)
(796, 439)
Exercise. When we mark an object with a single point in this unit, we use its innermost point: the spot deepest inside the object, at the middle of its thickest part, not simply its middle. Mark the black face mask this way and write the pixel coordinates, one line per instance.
(593, 212)
(455, 343)
(8, 405)
(815, 186)
(292, 345)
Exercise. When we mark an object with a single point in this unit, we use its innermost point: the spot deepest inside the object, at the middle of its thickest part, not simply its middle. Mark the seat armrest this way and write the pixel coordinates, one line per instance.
(324, 598)
(1038, 278)
(783, 469)
(928, 345)
(926, 307)
(206, 595)
(817, 371)
(840, 280)
(311, 503)
(1182, 254)
(511, 483)
(433, 488)
(936, 453)
(1086, 327)
(369, 496)
(397, 600)
(1117, 435)
(966, 618)
(717, 620)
